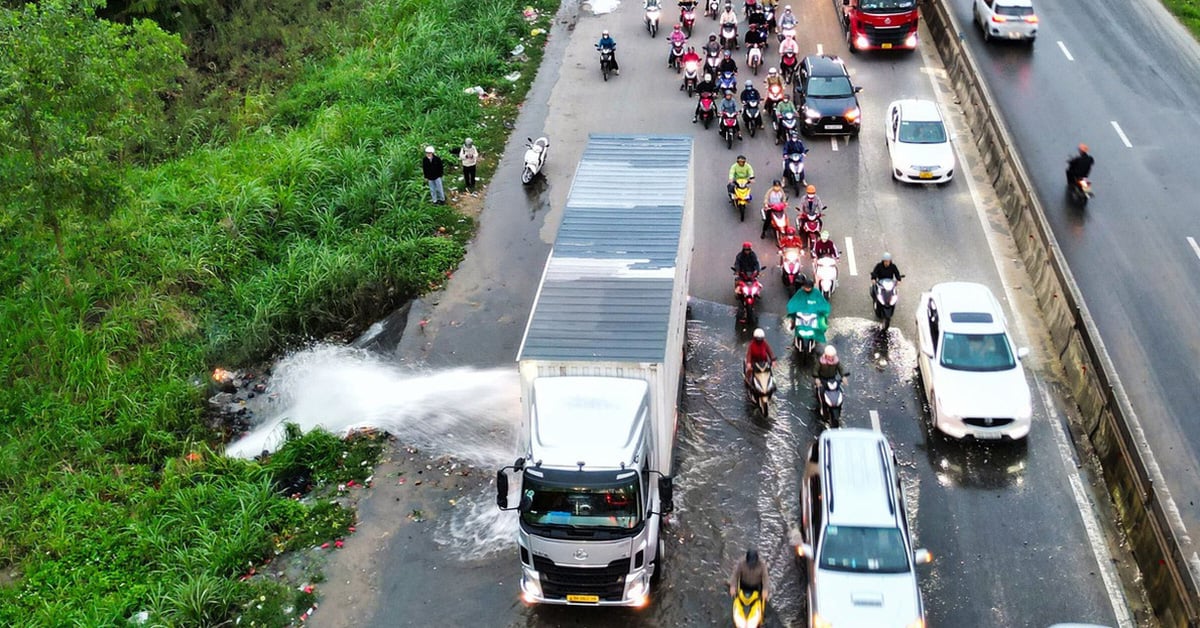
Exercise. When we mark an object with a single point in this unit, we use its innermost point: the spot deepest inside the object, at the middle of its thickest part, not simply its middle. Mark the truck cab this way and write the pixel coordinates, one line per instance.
(879, 24)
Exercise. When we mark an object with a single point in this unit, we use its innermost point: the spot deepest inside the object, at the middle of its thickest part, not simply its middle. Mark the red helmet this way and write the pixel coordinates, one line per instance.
(1083, 148)
(746, 245)
(790, 230)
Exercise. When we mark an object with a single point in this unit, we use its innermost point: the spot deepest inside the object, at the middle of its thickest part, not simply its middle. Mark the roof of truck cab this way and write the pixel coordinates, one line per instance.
(607, 289)
(590, 420)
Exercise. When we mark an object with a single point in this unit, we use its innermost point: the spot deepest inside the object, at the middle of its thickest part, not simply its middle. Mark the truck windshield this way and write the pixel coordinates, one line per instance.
(887, 6)
(588, 499)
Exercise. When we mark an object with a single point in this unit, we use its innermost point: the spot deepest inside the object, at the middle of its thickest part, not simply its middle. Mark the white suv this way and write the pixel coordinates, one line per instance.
(854, 537)
(1006, 19)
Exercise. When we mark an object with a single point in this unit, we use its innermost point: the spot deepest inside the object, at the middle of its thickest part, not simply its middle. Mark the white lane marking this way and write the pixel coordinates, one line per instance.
(1087, 512)
(833, 143)
(820, 50)
(875, 421)
(1067, 53)
(850, 256)
(1116, 596)
(1117, 128)
(1195, 247)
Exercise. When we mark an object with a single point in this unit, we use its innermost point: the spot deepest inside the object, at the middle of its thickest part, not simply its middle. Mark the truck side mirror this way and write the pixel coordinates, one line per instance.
(666, 493)
(502, 489)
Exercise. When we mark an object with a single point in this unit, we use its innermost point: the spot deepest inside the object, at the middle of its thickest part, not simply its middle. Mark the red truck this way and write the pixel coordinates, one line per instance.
(879, 24)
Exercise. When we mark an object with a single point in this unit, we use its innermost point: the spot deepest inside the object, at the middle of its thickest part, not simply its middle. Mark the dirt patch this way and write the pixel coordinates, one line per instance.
(470, 204)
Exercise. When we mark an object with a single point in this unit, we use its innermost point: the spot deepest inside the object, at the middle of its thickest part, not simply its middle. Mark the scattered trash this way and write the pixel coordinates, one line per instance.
(535, 32)
(477, 90)
(518, 51)
(530, 13)
(338, 544)
(512, 77)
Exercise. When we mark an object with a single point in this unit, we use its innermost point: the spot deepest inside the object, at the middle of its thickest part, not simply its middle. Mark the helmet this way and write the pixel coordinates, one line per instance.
(468, 142)
(830, 351)
(751, 557)
(825, 234)
(812, 189)
(790, 230)
(708, 76)
(887, 257)
(726, 53)
(1083, 148)
(728, 7)
(749, 84)
(605, 32)
(746, 245)
(787, 8)
(677, 27)
(712, 36)
(772, 72)
(759, 334)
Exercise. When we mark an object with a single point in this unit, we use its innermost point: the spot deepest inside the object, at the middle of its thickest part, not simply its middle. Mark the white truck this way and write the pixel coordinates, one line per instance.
(600, 366)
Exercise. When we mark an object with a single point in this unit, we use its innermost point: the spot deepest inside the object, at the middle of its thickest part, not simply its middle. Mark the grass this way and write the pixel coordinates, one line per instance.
(1188, 12)
(291, 212)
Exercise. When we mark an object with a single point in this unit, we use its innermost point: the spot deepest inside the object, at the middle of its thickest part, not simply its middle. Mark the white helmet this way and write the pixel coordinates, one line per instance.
(772, 71)
(759, 334)
(830, 351)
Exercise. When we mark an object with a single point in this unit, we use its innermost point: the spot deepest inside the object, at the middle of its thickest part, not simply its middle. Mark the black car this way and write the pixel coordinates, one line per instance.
(825, 99)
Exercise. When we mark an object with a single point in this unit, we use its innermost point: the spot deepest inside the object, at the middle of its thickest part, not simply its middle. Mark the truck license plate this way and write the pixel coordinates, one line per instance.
(590, 599)
(885, 46)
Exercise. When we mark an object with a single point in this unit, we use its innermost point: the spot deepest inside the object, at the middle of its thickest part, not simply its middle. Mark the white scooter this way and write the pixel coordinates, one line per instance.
(825, 273)
(535, 158)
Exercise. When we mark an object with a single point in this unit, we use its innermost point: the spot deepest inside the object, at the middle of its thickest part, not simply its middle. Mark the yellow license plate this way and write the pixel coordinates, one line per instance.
(885, 46)
(925, 175)
(590, 599)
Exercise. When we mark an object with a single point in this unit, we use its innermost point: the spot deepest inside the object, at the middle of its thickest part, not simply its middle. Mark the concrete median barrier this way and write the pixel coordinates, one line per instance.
(1132, 477)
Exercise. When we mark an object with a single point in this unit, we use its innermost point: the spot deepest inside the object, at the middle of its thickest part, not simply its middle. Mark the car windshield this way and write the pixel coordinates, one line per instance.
(829, 87)
(1014, 11)
(977, 352)
(887, 6)
(875, 550)
(922, 132)
(606, 502)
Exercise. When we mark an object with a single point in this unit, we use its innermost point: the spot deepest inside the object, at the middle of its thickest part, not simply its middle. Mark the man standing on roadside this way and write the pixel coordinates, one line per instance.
(433, 169)
(469, 156)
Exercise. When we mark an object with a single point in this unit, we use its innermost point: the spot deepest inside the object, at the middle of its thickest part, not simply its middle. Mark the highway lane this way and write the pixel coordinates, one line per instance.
(1002, 521)
(1120, 76)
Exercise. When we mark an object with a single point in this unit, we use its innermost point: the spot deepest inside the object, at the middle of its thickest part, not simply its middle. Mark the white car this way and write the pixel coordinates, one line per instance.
(1006, 19)
(970, 369)
(918, 142)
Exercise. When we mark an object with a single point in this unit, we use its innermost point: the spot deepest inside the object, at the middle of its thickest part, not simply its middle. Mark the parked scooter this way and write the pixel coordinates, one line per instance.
(747, 609)
(747, 291)
(830, 396)
(760, 385)
(535, 158)
(825, 275)
(885, 294)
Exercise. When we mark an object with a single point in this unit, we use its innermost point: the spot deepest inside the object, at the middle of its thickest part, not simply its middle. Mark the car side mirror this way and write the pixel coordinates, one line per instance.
(1022, 352)
(922, 557)
(857, 89)
(666, 494)
(804, 550)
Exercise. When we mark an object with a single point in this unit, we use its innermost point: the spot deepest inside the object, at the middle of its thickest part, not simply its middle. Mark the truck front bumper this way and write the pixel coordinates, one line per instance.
(635, 592)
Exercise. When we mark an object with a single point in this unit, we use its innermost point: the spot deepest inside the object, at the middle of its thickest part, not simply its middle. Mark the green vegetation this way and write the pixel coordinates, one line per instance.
(169, 203)
(1188, 12)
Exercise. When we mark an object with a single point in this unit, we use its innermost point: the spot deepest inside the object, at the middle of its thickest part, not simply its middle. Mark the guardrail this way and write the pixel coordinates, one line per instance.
(1132, 476)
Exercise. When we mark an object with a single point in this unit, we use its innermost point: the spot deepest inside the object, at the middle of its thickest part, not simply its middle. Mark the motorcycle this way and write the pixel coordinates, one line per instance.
(760, 384)
(806, 327)
(711, 62)
(810, 227)
(775, 96)
(787, 66)
(729, 128)
(676, 55)
(784, 125)
(793, 171)
(769, 15)
(708, 108)
(653, 12)
(1080, 191)
(791, 262)
(885, 294)
(691, 72)
(787, 29)
(729, 36)
(741, 197)
(535, 158)
(830, 396)
(688, 18)
(777, 213)
(727, 82)
(606, 61)
(747, 290)
(825, 275)
(752, 116)
(711, 9)
(754, 57)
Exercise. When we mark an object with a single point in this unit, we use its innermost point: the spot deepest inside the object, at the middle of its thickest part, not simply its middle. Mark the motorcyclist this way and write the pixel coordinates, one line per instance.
(828, 366)
(739, 170)
(727, 63)
(729, 108)
(788, 44)
(728, 16)
(677, 37)
(705, 86)
(758, 351)
(755, 16)
(825, 247)
(607, 42)
(1080, 166)
(793, 145)
(811, 203)
(789, 240)
(810, 301)
(750, 574)
(690, 56)
(745, 265)
(775, 195)
(685, 6)
(756, 36)
(750, 94)
(713, 47)
(885, 269)
(787, 19)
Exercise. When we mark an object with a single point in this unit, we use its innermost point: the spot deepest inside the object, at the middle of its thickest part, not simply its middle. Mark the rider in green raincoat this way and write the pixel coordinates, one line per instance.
(809, 301)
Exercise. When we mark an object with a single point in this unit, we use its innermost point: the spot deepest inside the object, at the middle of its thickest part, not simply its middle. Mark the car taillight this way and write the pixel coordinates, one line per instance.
(999, 18)
(1032, 19)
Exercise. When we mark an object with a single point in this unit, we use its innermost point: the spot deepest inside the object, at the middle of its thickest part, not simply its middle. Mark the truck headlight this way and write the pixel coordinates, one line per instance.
(531, 587)
(861, 42)
(911, 42)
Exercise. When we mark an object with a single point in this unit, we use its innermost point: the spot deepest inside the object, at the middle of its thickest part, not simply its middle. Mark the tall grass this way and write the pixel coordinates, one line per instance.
(294, 213)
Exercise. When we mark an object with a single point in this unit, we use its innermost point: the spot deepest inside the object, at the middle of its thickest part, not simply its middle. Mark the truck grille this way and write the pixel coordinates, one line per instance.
(558, 581)
(986, 422)
(893, 34)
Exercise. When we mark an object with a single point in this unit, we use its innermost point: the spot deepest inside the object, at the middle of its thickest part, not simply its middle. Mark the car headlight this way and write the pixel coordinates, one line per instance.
(811, 114)
(852, 114)
(916, 623)
(820, 622)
